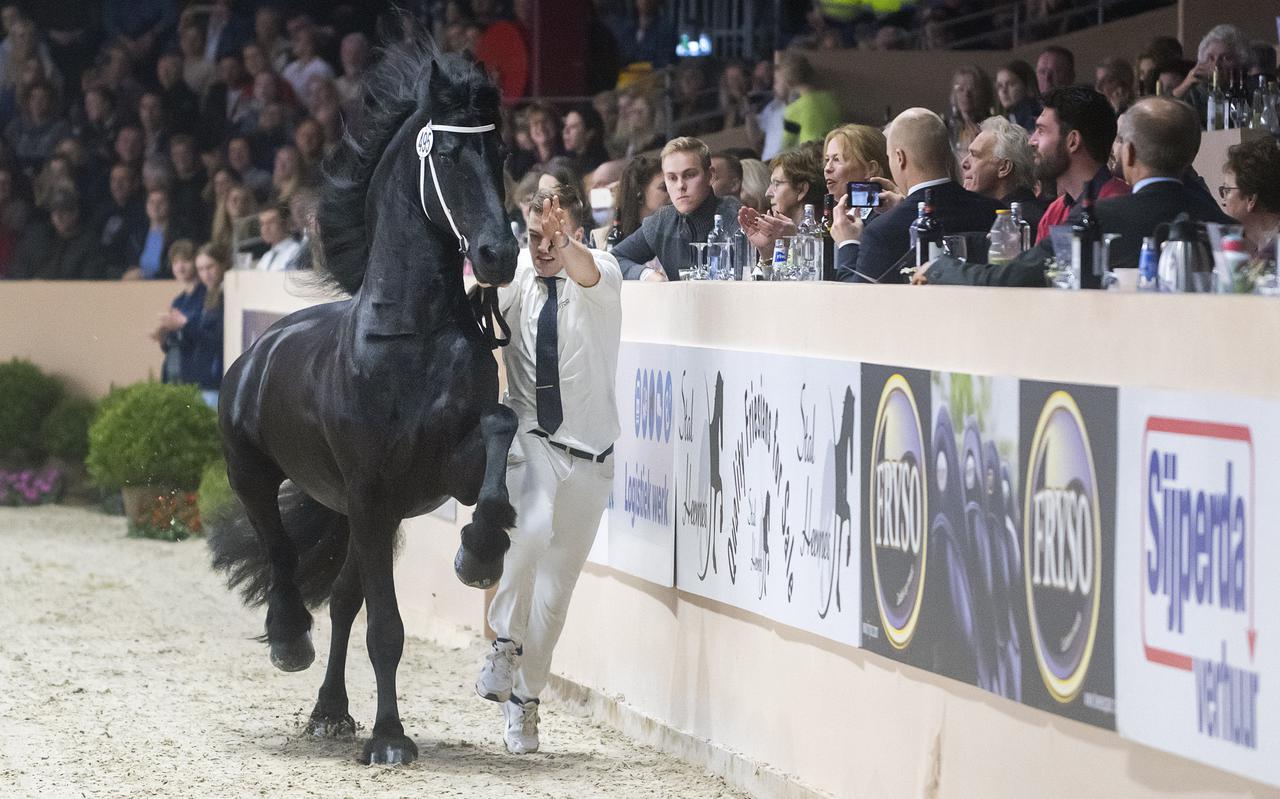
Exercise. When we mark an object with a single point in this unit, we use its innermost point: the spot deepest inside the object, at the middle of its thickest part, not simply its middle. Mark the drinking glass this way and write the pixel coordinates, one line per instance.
(956, 246)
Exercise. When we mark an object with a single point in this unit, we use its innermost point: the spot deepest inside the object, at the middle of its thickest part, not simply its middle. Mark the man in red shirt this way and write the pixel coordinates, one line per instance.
(1072, 140)
(503, 51)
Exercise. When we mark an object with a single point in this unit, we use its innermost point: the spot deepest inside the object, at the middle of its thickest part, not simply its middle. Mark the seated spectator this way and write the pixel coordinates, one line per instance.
(64, 248)
(1055, 69)
(355, 57)
(854, 153)
(14, 213)
(155, 127)
(186, 192)
(1073, 141)
(971, 100)
(128, 148)
(1114, 79)
(638, 128)
(35, 132)
(1250, 191)
(1161, 51)
(225, 31)
(21, 44)
(240, 158)
(286, 175)
(117, 76)
(692, 102)
(755, 183)
(1160, 138)
(55, 176)
(99, 123)
(544, 136)
(226, 101)
(583, 137)
(140, 27)
(502, 48)
(179, 350)
(735, 98)
(215, 196)
(647, 35)
(306, 63)
(122, 219)
(308, 139)
(274, 229)
(795, 181)
(1170, 76)
(1016, 91)
(639, 193)
(1000, 164)
(149, 256)
(268, 38)
(197, 73)
(241, 209)
(1224, 49)
(813, 112)
(667, 234)
(726, 175)
(181, 105)
(302, 227)
(920, 159)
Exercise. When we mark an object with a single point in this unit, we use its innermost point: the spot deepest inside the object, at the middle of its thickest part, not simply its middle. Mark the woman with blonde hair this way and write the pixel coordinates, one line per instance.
(215, 194)
(972, 95)
(755, 182)
(853, 153)
(239, 206)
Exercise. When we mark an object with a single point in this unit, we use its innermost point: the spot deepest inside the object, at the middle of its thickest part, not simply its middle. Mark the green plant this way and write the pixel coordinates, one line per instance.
(152, 434)
(27, 395)
(65, 432)
(215, 492)
(168, 517)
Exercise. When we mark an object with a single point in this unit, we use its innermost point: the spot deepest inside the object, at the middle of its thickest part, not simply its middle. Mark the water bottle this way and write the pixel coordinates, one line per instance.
(717, 244)
(1148, 266)
(1024, 227)
(807, 248)
(1006, 239)
(779, 271)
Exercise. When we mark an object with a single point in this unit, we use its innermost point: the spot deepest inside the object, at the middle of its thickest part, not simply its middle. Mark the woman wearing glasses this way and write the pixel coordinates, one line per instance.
(1250, 191)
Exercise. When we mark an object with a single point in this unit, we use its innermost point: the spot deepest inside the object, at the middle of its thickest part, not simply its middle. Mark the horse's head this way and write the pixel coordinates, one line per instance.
(460, 154)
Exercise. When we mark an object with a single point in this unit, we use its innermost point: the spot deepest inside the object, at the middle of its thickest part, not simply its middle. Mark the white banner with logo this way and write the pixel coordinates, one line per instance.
(1197, 553)
(766, 486)
(640, 521)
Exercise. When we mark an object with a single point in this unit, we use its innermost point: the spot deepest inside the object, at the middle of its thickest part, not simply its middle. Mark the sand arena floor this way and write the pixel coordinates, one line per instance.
(127, 670)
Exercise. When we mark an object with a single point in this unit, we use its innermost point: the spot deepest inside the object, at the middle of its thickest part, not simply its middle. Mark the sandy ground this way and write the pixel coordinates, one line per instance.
(127, 670)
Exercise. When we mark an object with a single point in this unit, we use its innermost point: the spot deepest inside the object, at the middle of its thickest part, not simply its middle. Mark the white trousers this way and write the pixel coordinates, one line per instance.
(559, 500)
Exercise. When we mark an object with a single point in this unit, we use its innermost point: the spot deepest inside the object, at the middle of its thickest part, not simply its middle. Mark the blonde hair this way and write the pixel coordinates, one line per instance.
(862, 144)
(688, 144)
(755, 182)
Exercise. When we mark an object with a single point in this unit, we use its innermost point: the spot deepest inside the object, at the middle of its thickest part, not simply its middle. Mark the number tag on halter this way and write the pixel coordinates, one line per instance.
(425, 139)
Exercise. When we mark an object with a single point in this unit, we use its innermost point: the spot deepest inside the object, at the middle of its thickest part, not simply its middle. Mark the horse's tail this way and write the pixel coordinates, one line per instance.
(319, 535)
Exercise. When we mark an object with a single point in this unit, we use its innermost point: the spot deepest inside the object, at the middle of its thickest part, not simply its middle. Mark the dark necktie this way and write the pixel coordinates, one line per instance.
(547, 362)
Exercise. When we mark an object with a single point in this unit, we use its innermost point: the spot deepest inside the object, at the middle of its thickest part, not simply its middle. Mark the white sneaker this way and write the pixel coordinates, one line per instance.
(498, 672)
(522, 726)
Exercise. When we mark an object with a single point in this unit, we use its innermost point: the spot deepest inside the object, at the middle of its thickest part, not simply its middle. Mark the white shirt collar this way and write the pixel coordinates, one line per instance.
(1140, 185)
(928, 184)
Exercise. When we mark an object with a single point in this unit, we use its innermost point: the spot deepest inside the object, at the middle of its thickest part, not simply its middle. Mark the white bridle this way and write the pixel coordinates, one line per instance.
(426, 138)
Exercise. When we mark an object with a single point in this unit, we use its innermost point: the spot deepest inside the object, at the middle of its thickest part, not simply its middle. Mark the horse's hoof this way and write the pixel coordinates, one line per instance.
(475, 572)
(389, 750)
(294, 655)
(322, 725)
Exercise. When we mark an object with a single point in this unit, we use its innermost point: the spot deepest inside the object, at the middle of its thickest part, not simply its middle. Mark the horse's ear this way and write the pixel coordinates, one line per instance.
(436, 83)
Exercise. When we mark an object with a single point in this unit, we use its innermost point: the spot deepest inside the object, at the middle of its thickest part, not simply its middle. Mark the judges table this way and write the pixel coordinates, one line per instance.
(887, 541)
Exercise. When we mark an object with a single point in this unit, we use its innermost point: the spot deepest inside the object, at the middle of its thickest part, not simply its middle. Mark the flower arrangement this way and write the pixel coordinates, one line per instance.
(171, 516)
(31, 486)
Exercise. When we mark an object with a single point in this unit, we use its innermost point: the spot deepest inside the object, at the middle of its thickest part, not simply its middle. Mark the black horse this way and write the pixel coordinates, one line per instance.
(346, 418)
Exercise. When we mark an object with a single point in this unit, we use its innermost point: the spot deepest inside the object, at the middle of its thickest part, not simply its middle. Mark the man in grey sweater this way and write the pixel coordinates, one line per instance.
(667, 234)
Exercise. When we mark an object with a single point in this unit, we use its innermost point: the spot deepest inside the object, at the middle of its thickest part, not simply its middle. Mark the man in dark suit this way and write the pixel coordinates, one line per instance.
(920, 159)
(1158, 138)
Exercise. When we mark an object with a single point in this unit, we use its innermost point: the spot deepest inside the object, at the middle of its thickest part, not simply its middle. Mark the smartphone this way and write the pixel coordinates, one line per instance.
(864, 195)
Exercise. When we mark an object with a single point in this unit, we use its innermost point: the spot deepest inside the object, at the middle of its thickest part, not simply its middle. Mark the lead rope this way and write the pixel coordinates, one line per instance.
(484, 301)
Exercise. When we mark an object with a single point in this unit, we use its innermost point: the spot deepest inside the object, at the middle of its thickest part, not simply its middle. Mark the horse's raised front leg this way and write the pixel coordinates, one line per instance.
(373, 531)
(485, 540)
(331, 717)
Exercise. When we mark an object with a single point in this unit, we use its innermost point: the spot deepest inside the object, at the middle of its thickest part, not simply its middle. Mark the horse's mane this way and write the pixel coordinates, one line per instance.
(391, 92)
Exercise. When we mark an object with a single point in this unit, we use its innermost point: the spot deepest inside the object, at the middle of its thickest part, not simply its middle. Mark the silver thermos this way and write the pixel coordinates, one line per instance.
(1186, 262)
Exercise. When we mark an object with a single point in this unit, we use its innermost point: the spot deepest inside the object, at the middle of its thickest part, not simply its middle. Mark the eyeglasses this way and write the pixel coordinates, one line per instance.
(1222, 191)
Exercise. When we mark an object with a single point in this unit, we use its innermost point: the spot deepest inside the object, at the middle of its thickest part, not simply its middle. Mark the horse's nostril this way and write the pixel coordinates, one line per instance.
(488, 252)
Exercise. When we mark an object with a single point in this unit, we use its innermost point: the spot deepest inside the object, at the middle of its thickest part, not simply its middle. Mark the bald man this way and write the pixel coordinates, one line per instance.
(1158, 139)
(920, 159)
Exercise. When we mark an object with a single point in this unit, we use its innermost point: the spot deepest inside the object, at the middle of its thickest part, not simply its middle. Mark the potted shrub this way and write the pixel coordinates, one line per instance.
(28, 397)
(152, 441)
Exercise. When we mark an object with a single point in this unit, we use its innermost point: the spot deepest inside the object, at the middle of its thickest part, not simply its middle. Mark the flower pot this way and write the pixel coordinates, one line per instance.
(168, 514)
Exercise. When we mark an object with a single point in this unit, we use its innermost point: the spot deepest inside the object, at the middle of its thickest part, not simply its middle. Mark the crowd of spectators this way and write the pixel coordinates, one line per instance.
(143, 138)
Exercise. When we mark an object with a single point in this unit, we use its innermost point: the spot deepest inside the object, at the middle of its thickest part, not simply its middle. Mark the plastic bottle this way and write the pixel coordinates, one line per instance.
(1148, 265)
(1005, 238)
(807, 247)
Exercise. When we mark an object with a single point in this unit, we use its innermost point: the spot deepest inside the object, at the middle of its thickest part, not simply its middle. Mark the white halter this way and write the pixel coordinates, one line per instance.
(426, 138)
